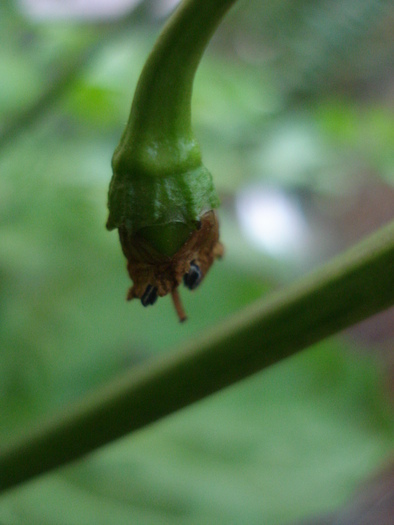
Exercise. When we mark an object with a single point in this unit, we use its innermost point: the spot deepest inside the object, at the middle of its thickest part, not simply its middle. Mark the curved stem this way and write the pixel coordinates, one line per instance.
(162, 101)
(159, 126)
(351, 288)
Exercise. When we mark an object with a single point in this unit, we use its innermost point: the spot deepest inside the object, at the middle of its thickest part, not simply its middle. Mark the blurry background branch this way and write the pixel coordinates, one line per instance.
(58, 80)
(356, 285)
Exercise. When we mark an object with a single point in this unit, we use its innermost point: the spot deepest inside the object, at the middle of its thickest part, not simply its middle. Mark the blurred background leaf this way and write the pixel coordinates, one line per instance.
(293, 108)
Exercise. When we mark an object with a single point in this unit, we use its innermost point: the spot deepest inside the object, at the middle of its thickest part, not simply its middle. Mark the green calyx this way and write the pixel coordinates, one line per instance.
(160, 188)
(141, 197)
(164, 209)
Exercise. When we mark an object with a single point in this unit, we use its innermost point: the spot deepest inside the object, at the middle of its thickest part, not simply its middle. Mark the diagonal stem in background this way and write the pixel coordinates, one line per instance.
(71, 67)
(352, 287)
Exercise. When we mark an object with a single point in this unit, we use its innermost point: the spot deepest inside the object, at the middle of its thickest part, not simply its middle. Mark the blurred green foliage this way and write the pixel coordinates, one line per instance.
(296, 440)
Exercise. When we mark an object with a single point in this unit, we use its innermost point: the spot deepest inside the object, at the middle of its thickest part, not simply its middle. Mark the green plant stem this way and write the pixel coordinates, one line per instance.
(159, 131)
(351, 288)
(158, 174)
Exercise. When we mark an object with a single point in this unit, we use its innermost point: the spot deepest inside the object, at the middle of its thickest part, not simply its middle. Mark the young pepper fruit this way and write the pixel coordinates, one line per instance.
(161, 197)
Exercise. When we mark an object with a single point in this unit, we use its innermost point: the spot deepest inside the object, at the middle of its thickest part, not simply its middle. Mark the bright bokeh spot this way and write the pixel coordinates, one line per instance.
(273, 221)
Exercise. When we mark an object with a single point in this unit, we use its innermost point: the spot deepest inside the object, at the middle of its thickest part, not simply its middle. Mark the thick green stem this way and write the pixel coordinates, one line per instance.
(354, 286)
(158, 175)
(159, 131)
